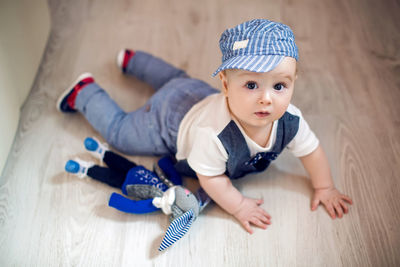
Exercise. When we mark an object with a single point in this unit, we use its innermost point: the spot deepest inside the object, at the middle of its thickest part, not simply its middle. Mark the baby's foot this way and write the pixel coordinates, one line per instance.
(123, 58)
(66, 102)
(96, 148)
(78, 167)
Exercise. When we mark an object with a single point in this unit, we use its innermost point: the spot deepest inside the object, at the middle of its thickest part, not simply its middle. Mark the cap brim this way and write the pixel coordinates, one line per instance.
(262, 63)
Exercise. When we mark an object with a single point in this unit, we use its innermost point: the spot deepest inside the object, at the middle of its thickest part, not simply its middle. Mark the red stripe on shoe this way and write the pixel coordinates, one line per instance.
(128, 55)
(78, 87)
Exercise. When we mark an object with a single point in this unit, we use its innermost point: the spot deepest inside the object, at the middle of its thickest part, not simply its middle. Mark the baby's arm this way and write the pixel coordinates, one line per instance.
(325, 192)
(246, 210)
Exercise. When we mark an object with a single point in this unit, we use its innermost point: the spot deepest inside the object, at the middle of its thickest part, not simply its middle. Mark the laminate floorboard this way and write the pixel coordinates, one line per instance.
(348, 90)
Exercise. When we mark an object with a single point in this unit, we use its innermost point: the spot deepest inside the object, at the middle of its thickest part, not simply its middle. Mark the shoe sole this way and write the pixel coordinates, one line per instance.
(120, 58)
(70, 88)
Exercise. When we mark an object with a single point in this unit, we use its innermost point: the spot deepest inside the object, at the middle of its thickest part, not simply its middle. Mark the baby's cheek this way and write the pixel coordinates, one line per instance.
(282, 106)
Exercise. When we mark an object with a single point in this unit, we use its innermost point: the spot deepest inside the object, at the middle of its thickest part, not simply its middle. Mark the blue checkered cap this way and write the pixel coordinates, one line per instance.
(257, 45)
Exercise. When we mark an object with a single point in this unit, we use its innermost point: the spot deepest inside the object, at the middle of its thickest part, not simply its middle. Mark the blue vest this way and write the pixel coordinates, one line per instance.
(240, 161)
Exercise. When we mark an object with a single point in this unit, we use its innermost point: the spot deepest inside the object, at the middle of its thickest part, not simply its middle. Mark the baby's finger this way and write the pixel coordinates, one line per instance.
(330, 210)
(314, 204)
(266, 214)
(338, 209)
(264, 218)
(347, 199)
(247, 227)
(344, 206)
(258, 223)
(260, 201)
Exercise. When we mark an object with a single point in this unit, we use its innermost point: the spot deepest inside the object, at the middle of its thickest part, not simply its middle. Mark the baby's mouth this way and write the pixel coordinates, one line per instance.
(262, 114)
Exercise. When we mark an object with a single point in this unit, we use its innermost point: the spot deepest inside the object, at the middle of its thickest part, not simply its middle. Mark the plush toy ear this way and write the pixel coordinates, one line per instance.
(177, 229)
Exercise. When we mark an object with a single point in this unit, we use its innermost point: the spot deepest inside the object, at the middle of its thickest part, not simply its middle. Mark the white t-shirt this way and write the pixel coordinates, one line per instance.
(199, 144)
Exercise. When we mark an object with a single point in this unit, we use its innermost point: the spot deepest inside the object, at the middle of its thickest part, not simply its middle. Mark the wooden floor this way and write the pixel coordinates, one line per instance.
(348, 90)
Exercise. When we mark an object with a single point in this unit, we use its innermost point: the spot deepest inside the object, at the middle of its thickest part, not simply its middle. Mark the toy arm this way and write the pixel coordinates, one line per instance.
(124, 204)
(167, 167)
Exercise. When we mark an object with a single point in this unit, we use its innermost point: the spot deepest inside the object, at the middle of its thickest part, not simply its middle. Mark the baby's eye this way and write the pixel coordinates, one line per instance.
(279, 86)
(251, 85)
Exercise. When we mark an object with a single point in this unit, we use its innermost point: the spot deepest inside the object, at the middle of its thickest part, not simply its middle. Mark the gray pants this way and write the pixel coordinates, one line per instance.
(153, 128)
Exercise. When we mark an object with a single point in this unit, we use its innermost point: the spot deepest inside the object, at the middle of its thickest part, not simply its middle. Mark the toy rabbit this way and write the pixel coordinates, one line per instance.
(151, 191)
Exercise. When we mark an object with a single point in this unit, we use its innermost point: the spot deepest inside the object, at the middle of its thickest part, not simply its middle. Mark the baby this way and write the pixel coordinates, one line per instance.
(217, 135)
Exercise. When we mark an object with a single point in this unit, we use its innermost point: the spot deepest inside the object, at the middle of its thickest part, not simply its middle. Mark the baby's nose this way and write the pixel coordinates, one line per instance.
(265, 98)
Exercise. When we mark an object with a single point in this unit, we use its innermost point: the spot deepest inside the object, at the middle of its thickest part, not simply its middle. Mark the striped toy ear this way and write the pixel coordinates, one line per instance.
(177, 229)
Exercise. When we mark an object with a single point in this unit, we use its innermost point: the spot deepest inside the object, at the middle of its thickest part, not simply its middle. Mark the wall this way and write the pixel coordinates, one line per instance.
(24, 30)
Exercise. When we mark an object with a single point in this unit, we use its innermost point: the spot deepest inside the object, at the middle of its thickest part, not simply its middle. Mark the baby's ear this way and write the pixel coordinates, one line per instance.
(224, 82)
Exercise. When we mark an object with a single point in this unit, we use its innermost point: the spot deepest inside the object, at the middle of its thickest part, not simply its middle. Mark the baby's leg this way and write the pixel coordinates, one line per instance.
(134, 133)
(152, 70)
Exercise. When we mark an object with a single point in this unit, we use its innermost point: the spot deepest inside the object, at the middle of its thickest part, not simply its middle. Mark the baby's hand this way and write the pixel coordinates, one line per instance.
(333, 200)
(250, 212)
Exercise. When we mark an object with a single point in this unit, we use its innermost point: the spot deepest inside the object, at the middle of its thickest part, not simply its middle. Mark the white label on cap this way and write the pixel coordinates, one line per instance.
(240, 44)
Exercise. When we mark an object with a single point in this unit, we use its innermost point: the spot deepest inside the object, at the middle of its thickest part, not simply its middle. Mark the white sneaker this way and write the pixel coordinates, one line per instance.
(78, 167)
(96, 148)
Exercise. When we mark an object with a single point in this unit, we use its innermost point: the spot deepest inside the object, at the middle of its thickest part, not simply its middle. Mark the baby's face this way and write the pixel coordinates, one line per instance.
(258, 99)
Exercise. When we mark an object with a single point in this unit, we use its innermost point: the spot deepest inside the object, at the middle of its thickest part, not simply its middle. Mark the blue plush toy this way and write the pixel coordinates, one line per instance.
(154, 194)
(151, 191)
